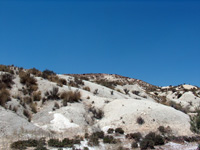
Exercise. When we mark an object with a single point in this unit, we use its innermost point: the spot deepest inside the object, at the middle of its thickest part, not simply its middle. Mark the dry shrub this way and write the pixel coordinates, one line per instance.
(35, 72)
(118, 90)
(70, 97)
(6, 69)
(33, 107)
(56, 105)
(53, 94)
(47, 73)
(51, 76)
(62, 81)
(26, 79)
(37, 96)
(78, 81)
(28, 100)
(6, 80)
(29, 81)
(27, 114)
(87, 88)
(4, 97)
(15, 109)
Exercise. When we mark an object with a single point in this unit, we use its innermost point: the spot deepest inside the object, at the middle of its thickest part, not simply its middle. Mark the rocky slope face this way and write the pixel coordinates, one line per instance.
(38, 104)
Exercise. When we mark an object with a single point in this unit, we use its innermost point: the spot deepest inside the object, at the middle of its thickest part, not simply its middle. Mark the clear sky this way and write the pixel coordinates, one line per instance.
(155, 41)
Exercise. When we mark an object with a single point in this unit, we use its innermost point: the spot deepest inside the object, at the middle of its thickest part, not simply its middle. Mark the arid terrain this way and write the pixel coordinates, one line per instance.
(44, 110)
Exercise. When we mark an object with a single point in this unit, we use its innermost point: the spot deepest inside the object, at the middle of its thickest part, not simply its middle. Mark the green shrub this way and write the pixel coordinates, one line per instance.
(55, 143)
(93, 140)
(109, 139)
(99, 134)
(140, 120)
(110, 131)
(119, 130)
(195, 123)
(159, 140)
(24, 144)
(85, 148)
(146, 143)
(134, 145)
(150, 140)
(137, 136)
(162, 129)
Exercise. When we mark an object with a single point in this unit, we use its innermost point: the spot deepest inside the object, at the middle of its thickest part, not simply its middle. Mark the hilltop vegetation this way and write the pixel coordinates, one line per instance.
(91, 110)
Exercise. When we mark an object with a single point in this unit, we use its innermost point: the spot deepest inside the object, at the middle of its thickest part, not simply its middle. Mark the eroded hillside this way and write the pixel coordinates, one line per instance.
(100, 111)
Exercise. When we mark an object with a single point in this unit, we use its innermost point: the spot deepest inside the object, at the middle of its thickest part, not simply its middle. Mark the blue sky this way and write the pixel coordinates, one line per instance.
(155, 41)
